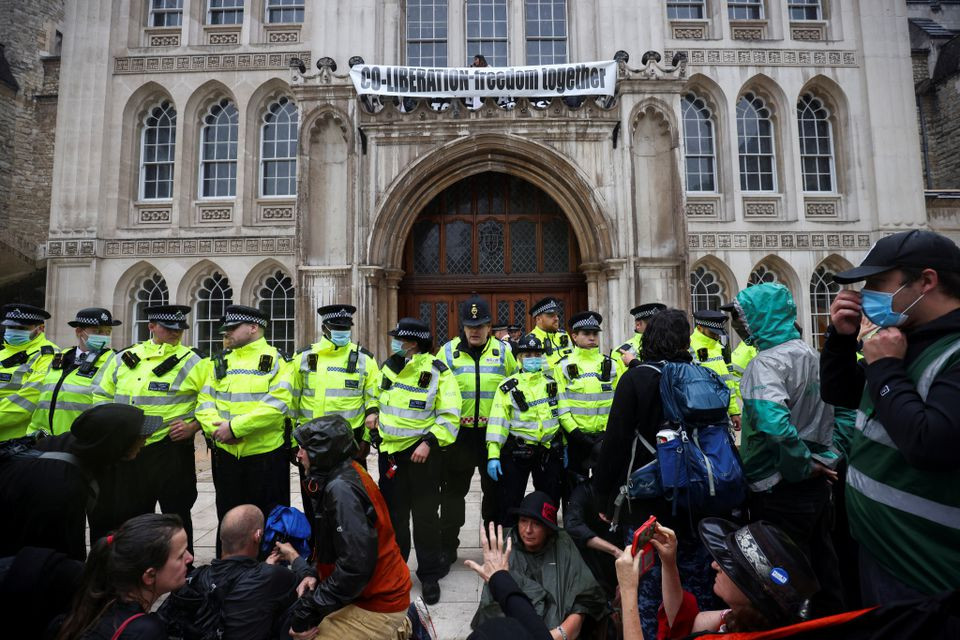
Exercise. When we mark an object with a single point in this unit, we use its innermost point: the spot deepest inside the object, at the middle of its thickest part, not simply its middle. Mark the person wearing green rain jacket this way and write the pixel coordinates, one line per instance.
(787, 440)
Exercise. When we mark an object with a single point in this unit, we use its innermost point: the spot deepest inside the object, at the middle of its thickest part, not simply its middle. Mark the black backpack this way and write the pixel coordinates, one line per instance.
(25, 447)
(195, 610)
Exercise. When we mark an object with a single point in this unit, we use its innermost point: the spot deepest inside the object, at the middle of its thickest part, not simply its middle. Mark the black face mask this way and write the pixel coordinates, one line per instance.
(741, 328)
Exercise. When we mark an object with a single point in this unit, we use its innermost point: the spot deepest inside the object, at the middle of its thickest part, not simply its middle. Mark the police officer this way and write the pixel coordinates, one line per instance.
(479, 362)
(516, 332)
(546, 317)
(163, 377)
(24, 359)
(419, 403)
(67, 389)
(337, 376)
(740, 358)
(708, 349)
(501, 332)
(587, 379)
(523, 432)
(246, 396)
(629, 352)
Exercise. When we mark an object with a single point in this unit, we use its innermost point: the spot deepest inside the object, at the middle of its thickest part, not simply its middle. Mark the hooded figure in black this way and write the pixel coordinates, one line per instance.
(47, 490)
(354, 545)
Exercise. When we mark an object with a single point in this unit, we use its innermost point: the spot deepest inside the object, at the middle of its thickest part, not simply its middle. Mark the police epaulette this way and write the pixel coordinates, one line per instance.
(508, 385)
(304, 350)
(282, 354)
(439, 366)
(47, 350)
(626, 346)
(365, 352)
(57, 362)
(198, 352)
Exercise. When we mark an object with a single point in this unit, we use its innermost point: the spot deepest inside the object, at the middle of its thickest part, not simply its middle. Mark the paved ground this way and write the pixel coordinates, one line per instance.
(460, 589)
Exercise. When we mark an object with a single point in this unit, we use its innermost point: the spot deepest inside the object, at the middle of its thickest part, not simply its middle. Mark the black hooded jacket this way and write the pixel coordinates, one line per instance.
(347, 541)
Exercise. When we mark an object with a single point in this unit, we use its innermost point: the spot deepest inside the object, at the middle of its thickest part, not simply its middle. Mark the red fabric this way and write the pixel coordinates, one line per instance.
(794, 629)
(682, 623)
(389, 588)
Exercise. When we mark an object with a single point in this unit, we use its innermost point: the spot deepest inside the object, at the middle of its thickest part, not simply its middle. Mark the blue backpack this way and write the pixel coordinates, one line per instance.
(286, 524)
(696, 467)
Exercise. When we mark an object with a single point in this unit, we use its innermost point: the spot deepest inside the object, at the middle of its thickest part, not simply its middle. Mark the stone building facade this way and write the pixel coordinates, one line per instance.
(197, 163)
(30, 36)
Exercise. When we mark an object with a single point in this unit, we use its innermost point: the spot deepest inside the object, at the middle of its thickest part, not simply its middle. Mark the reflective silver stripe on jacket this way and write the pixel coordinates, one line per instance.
(401, 432)
(915, 505)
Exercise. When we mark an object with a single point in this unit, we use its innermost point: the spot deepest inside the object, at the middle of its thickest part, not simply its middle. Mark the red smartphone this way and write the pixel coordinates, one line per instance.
(643, 535)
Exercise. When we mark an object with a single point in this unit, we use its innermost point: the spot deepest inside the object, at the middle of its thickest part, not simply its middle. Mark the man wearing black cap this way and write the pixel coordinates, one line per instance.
(587, 380)
(46, 491)
(336, 376)
(246, 396)
(901, 491)
(548, 568)
(24, 359)
(162, 377)
(629, 352)
(419, 403)
(67, 389)
(546, 317)
(479, 362)
(708, 348)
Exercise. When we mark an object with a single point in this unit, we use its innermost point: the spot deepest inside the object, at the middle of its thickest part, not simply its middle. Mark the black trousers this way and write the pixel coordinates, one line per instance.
(414, 490)
(262, 480)
(457, 463)
(163, 472)
(518, 462)
(804, 511)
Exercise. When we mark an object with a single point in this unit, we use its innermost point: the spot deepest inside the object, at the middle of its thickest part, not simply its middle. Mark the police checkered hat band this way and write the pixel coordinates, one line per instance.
(590, 322)
(26, 315)
(410, 333)
(547, 305)
(243, 318)
(710, 324)
(166, 317)
(333, 315)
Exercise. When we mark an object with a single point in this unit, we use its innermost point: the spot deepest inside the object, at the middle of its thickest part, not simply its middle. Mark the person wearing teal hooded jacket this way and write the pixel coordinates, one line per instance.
(787, 438)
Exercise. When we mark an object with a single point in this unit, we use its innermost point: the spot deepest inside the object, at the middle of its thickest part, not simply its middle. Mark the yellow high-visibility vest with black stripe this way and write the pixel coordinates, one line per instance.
(555, 345)
(67, 389)
(715, 362)
(525, 406)
(587, 381)
(162, 379)
(632, 346)
(332, 380)
(478, 379)
(423, 397)
(22, 370)
(251, 388)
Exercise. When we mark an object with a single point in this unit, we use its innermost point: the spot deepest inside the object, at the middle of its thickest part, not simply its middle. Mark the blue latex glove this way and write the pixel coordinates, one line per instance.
(494, 470)
(566, 458)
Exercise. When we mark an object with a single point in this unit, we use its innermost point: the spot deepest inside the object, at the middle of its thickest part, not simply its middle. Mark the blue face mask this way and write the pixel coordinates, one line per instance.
(16, 337)
(878, 307)
(340, 338)
(97, 342)
(532, 364)
(396, 347)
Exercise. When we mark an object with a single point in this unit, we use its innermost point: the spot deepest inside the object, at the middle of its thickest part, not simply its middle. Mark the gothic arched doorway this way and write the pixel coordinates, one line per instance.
(495, 235)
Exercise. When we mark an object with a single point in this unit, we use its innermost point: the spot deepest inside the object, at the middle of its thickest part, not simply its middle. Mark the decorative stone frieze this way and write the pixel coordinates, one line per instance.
(153, 215)
(802, 241)
(689, 30)
(762, 208)
(162, 37)
(808, 32)
(214, 213)
(821, 208)
(207, 62)
(187, 247)
(768, 57)
(748, 29)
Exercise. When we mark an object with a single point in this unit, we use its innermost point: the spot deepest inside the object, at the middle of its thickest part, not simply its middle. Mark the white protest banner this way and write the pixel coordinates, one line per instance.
(544, 81)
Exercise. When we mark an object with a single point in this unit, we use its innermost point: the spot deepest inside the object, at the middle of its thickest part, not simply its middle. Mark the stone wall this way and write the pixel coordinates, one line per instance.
(941, 112)
(27, 126)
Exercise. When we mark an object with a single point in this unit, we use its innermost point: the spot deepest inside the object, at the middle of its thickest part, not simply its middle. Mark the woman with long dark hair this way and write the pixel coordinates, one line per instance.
(126, 572)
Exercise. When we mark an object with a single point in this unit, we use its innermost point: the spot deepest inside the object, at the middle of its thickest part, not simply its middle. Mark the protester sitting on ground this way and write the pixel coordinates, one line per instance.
(37, 586)
(47, 489)
(762, 576)
(245, 599)
(125, 575)
(521, 621)
(363, 587)
(638, 409)
(598, 545)
(550, 572)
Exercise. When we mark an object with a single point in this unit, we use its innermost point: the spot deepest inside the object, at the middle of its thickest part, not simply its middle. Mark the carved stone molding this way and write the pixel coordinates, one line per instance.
(768, 57)
(689, 30)
(279, 60)
(193, 247)
(222, 34)
(754, 241)
(153, 215)
(808, 32)
(702, 207)
(276, 213)
(69, 249)
(763, 208)
(748, 29)
(282, 34)
(219, 213)
(822, 208)
(163, 37)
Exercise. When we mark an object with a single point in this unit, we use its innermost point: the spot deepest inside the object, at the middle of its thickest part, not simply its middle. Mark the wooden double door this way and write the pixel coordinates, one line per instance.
(493, 235)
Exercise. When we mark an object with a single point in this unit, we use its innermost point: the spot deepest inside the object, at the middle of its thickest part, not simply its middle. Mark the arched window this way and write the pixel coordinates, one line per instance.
(427, 33)
(218, 151)
(546, 31)
(275, 298)
(762, 274)
(698, 144)
(213, 298)
(158, 142)
(822, 292)
(755, 140)
(151, 291)
(816, 144)
(706, 290)
(487, 31)
(278, 149)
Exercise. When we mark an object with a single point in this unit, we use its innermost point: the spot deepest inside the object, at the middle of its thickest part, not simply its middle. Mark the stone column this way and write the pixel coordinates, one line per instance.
(319, 286)
(369, 321)
(596, 294)
(617, 303)
(663, 281)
